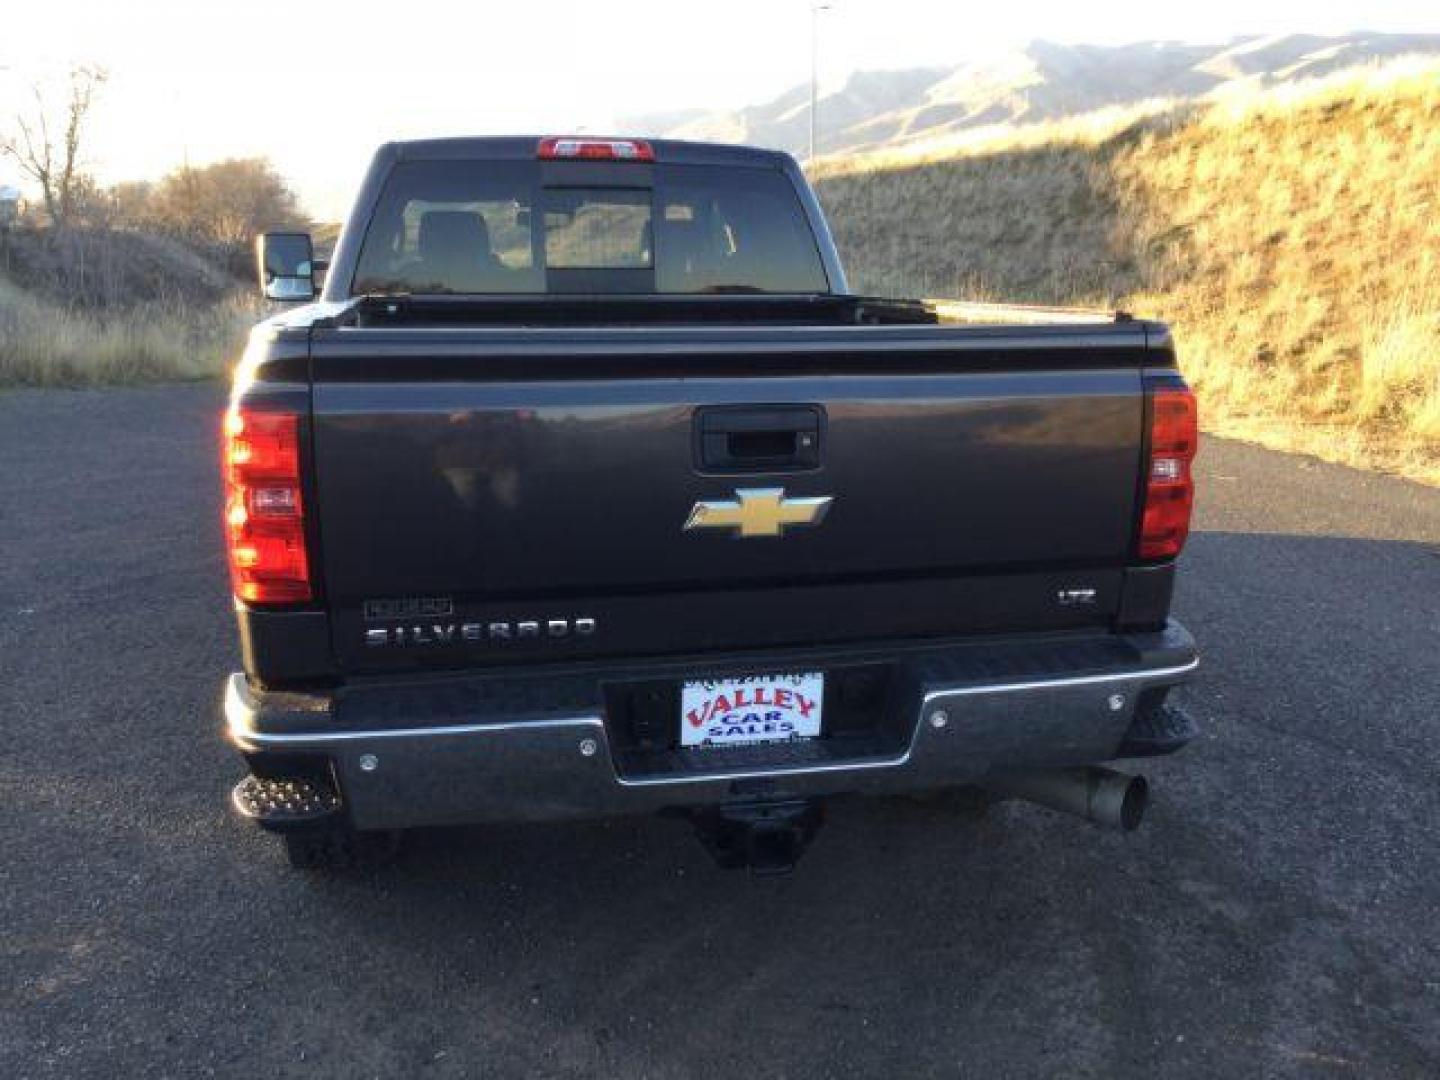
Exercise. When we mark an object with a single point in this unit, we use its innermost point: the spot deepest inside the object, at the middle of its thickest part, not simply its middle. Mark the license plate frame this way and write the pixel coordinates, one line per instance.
(752, 710)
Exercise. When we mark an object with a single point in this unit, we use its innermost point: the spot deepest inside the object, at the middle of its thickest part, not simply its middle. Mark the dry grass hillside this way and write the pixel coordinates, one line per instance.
(101, 306)
(141, 280)
(1292, 237)
(46, 344)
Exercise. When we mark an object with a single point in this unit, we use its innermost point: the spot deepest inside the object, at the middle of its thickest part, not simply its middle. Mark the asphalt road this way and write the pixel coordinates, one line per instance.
(1276, 916)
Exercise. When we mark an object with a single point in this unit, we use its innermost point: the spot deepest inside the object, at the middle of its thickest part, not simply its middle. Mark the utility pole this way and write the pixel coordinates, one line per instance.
(815, 10)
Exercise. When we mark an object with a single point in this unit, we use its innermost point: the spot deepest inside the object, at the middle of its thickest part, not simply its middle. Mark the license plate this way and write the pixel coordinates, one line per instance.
(752, 709)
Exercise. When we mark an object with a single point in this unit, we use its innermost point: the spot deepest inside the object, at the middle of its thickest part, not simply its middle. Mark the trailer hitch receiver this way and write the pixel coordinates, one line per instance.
(766, 838)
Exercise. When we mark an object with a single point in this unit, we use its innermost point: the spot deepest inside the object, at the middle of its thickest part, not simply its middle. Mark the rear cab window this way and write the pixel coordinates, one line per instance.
(517, 227)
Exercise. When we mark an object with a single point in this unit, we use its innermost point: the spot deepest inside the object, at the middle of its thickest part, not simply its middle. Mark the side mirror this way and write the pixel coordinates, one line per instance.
(286, 264)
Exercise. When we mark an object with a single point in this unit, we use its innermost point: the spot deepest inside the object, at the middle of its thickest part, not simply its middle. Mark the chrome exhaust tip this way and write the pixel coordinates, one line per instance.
(1103, 796)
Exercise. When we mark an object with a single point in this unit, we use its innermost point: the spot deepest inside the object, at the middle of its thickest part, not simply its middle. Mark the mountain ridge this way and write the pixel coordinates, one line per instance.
(876, 110)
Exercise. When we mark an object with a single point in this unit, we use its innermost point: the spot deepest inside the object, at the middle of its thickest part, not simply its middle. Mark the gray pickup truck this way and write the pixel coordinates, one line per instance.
(585, 486)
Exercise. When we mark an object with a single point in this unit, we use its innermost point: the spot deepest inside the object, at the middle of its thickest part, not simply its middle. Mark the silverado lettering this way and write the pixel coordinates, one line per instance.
(449, 633)
(838, 543)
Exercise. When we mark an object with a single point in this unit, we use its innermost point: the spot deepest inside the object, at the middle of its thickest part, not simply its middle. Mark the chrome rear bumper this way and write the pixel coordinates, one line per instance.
(564, 765)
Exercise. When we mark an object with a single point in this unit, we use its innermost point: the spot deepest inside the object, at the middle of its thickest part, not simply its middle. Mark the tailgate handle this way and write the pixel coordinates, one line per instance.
(761, 438)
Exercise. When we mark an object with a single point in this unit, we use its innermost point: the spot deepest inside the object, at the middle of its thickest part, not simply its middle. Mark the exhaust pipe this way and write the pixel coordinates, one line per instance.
(1104, 796)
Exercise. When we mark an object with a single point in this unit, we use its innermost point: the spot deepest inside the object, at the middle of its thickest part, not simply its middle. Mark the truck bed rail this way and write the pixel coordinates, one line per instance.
(966, 311)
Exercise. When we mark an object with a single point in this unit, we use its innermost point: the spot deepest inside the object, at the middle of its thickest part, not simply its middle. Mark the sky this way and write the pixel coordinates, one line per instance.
(316, 86)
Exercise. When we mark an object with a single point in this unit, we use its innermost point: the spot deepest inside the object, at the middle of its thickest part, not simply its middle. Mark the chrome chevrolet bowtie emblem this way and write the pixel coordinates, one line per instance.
(758, 512)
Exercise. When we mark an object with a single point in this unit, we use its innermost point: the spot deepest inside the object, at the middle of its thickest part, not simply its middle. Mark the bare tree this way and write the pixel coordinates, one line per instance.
(51, 157)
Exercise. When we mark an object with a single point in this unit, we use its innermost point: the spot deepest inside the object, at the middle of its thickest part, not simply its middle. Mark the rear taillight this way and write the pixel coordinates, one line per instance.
(1169, 489)
(595, 150)
(264, 509)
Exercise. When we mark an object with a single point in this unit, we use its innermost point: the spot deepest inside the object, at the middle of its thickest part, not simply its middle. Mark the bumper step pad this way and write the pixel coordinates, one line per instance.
(280, 803)
(1158, 731)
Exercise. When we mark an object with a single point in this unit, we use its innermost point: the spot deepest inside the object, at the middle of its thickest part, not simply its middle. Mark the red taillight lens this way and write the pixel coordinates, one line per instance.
(595, 150)
(1169, 488)
(264, 511)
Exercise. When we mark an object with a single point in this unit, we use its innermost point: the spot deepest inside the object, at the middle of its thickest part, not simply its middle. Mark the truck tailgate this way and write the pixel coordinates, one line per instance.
(474, 479)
